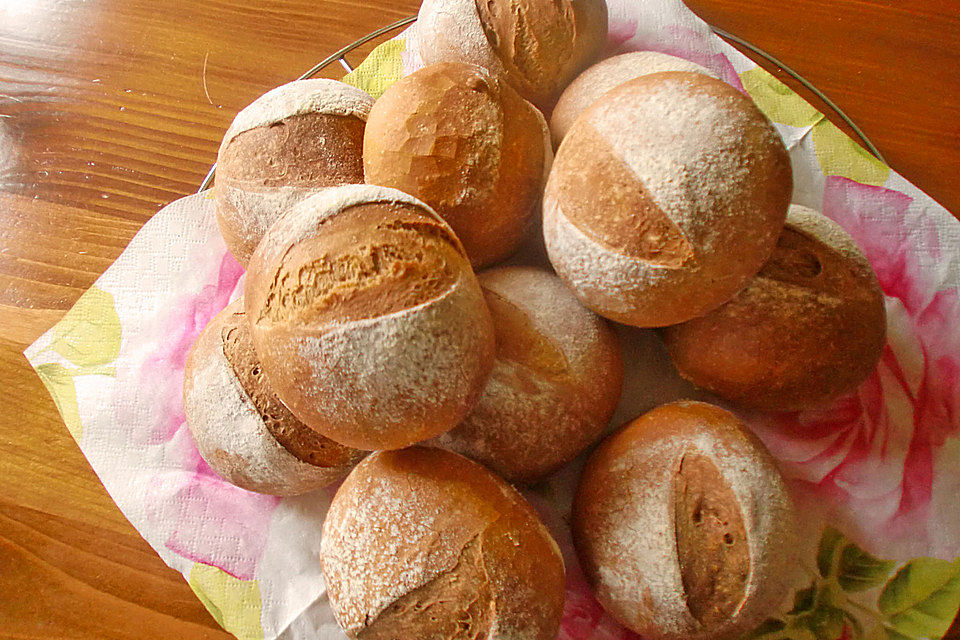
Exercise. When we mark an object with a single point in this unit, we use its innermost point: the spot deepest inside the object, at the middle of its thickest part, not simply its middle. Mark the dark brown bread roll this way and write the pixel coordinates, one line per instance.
(289, 142)
(684, 527)
(242, 430)
(467, 145)
(539, 46)
(808, 328)
(423, 543)
(555, 383)
(368, 319)
(666, 197)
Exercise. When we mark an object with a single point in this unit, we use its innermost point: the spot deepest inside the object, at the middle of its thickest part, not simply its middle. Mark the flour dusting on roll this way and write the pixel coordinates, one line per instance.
(666, 197)
(367, 316)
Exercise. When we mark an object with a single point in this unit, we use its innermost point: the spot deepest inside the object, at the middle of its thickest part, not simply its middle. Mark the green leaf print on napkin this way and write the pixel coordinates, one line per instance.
(89, 334)
(854, 568)
(921, 601)
(59, 383)
(777, 101)
(235, 604)
(380, 69)
(838, 155)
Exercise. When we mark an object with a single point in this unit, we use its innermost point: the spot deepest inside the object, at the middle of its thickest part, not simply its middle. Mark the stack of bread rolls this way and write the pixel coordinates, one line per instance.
(365, 327)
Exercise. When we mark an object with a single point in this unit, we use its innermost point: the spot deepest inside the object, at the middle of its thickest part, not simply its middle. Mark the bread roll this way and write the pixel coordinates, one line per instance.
(684, 527)
(425, 544)
(242, 430)
(555, 382)
(291, 141)
(368, 319)
(539, 46)
(808, 328)
(467, 145)
(609, 74)
(666, 197)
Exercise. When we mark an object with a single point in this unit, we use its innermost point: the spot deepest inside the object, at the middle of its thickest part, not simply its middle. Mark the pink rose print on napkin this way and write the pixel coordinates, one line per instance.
(684, 42)
(173, 336)
(205, 519)
(871, 454)
(192, 511)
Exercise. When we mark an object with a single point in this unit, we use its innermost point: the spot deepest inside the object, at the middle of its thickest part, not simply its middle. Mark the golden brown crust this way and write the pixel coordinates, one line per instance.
(683, 525)
(541, 44)
(468, 146)
(808, 328)
(422, 543)
(623, 216)
(555, 383)
(368, 319)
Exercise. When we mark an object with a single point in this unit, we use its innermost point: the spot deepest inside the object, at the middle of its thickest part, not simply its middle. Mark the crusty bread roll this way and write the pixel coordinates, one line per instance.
(684, 526)
(609, 74)
(368, 319)
(555, 382)
(289, 142)
(808, 328)
(423, 543)
(537, 45)
(666, 197)
(242, 430)
(466, 144)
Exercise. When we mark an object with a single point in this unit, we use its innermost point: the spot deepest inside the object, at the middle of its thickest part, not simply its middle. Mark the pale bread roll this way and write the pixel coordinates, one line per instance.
(537, 45)
(423, 543)
(241, 429)
(368, 318)
(555, 383)
(469, 146)
(808, 328)
(666, 197)
(684, 526)
(609, 74)
(288, 143)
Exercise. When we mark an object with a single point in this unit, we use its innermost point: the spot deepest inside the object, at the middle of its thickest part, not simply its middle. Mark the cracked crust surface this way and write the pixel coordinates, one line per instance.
(467, 145)
(366, 313)
(424, 543)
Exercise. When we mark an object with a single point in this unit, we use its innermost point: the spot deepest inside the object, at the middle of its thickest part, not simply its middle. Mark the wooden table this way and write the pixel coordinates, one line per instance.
(110, 109)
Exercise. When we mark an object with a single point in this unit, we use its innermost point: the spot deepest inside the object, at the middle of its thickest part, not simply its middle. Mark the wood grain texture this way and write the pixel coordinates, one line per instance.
(110, 109)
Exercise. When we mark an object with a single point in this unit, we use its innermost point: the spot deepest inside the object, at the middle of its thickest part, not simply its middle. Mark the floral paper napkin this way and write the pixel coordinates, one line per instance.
(876, 476)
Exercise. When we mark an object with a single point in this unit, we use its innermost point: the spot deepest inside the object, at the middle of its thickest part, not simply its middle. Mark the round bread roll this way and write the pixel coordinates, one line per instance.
(684, 527)
(368, 319)
(291, 141)
(466, 144)
(808, 328)
(423, 543)
(539, 46)
(242, 430)
(609, 74)
(666, 197)
(555, 383)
